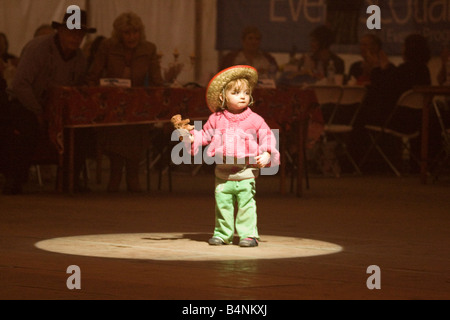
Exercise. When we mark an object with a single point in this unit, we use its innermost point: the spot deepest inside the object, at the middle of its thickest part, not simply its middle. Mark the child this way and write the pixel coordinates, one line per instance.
(241, 142)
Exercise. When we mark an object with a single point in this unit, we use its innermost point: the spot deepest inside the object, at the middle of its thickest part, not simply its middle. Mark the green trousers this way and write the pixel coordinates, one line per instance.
(227, 193)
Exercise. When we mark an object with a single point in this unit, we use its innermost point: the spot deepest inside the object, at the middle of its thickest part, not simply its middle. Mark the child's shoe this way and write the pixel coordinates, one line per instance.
(248, 242)
(216, 241)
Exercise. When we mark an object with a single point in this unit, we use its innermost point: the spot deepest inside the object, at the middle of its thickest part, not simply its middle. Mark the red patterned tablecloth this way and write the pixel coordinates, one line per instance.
(106, 106)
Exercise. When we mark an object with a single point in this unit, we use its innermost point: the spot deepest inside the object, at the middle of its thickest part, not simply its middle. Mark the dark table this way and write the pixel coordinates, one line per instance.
(80, 107)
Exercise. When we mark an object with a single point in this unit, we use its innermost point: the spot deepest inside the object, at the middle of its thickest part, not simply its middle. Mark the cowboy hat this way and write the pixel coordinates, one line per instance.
(220, 80)
(83, 22)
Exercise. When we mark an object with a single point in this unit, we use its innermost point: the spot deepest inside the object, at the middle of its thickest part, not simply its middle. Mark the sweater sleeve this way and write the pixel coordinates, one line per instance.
(267, 142)
(204, 136)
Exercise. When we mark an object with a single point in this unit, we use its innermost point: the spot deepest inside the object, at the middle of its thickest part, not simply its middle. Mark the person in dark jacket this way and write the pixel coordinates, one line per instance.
(46, 61)
(388, 82)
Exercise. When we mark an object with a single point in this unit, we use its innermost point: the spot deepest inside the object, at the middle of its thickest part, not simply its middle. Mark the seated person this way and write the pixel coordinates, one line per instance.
(59, 52)
(128, 55)
(388, 82)
(370, 46)
(313, 66)
(9, 61)
(252, 55)
(317, 61)
(4, 53)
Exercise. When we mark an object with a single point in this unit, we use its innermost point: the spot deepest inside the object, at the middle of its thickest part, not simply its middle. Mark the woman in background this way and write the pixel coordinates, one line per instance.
(317, 62)
(127, 55)
(252, 55)
(370, 46)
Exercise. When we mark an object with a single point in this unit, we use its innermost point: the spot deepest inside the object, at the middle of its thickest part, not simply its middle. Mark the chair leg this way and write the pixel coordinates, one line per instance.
(163, 158)
(294, 170)
(375, 146)
(38, 174)
(372, 146)
(380, 151)
(159, 179)
(196, 169)
(85, 172)
(352, 161)
(305, 165)
(147, 168)
(348, 155)
(99, 163)
(441, 162)
(169, 176)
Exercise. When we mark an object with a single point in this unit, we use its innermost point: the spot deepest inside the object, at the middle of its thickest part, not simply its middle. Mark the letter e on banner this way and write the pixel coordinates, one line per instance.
(374, 281)
(74, 21)
(74, 281)
(374, 21)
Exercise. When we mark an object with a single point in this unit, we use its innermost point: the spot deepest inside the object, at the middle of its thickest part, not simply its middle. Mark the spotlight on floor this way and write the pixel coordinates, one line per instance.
(184, 247)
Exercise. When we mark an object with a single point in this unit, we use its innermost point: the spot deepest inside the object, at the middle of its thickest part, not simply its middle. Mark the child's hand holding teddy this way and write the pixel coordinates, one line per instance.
(183, 127)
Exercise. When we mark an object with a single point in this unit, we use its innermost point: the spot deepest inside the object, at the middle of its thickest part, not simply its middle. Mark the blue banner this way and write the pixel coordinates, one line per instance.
(430, 18)
(283, 23)
(287, 23)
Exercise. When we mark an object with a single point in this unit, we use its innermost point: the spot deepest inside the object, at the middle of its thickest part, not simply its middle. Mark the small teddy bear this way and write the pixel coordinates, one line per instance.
(182, 126)
(179, 123)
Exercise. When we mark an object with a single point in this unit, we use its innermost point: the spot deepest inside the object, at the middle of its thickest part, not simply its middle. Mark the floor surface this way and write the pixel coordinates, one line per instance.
(154, 245)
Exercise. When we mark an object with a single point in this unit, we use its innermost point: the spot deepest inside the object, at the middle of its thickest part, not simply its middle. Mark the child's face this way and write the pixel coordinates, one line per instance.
(238, 97)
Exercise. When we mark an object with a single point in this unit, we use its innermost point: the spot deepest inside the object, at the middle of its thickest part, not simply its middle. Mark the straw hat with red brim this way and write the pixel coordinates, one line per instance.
(220, 80)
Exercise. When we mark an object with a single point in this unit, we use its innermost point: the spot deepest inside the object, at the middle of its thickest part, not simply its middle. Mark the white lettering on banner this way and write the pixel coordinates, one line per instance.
(396, 36)
(74, 21)
(273, 17)
(398, 19)
(439, 36)
(296, 7)
(439, 11)
(418, 11)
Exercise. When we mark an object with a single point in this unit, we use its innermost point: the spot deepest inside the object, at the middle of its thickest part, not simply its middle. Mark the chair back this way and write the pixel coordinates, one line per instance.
(348, 105)
(327, 94)
(411, 99)
(442, 110)
(352, 95)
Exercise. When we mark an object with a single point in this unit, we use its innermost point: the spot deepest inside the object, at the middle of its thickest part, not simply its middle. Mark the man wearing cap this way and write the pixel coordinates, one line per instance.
(46, 61)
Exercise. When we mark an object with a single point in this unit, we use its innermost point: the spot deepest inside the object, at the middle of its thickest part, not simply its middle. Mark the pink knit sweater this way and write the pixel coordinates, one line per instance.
(241, 136)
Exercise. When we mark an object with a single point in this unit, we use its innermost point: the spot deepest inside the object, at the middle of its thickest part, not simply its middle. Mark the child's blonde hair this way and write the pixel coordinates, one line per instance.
(232, 85)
